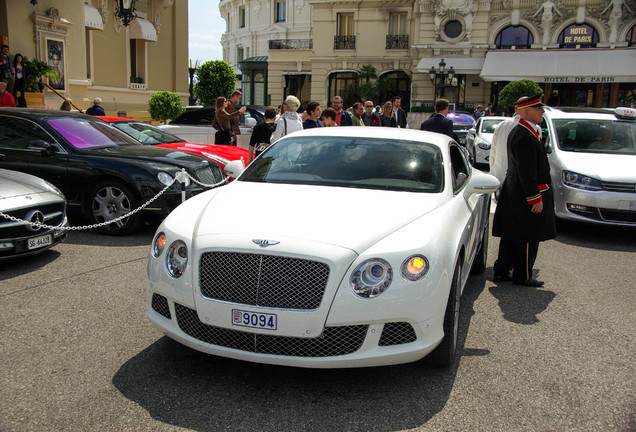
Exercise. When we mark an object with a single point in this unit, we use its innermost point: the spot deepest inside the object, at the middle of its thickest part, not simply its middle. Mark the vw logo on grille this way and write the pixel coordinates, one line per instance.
(265, 243)
(35, 216)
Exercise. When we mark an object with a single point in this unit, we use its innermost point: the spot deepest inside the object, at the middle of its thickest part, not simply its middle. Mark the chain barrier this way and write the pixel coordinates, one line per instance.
(181, 177)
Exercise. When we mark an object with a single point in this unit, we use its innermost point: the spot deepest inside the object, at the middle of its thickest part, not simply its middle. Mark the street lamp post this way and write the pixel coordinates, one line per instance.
(438, 78)
(192, 69)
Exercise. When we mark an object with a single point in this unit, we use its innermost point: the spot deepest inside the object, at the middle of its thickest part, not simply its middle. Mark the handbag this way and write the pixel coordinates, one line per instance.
(224, 136)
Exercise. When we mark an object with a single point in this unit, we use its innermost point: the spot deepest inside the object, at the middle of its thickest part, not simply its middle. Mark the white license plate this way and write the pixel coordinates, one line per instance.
(632, 205)
(38, 242)
(253, 319)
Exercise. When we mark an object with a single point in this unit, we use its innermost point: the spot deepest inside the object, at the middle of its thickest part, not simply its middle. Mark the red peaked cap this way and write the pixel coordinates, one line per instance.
(532, 101)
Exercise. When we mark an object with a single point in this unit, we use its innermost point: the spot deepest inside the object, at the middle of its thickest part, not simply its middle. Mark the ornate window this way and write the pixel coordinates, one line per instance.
(583, 35)
(518, 37)
(345, 38)
(280, 11)
(242, 17)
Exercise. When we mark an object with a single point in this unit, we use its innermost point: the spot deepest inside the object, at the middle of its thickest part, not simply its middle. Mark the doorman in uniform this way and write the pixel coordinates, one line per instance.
(525, 211)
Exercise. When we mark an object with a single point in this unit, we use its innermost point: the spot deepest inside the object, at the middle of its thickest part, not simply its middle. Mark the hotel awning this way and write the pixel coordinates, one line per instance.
(465, 66)
(562, 66)
(92, 18)
(141, 28)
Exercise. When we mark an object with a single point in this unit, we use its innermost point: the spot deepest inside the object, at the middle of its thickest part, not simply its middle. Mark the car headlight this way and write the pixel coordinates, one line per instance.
(414, 268)
(215, 158)
(158, 244)
(166, 179)
(580, 181)
(371, 278)
(177, 258)
(482, 143)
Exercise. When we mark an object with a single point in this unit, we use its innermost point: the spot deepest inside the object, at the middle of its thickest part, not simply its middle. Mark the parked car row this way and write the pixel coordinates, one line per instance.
(102, 172)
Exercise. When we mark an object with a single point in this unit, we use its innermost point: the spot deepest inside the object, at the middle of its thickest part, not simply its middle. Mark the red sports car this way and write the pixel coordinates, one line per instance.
(152, 135)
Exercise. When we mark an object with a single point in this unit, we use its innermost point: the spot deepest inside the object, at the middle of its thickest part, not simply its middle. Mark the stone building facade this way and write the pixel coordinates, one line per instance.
(581, 51)
(98, 56)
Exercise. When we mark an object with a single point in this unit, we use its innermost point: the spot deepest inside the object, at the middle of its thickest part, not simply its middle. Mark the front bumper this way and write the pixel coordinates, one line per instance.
(598, 207)
(345, 346)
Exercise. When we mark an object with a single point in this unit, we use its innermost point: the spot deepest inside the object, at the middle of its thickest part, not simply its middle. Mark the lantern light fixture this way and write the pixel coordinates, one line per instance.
(125, 11)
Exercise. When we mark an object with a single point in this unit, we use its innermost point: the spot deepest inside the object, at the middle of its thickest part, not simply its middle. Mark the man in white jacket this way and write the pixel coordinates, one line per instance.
(498, 158)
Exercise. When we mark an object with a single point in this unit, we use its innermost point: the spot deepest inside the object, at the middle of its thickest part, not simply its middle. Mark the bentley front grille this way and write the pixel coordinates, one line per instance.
(263, 280)
(160, 305)
(334, 341)
(396, 333)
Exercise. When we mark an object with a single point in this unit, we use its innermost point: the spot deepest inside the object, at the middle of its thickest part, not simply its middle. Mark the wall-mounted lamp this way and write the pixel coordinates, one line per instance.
(125, 11)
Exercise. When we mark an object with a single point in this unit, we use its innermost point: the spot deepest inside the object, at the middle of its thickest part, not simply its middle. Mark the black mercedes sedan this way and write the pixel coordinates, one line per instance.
(102, 171)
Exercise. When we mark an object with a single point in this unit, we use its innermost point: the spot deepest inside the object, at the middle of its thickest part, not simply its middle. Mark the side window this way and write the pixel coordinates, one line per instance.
(459, 167)
(17, 133)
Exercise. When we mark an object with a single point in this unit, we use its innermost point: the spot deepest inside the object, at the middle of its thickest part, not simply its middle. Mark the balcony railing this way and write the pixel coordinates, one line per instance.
(291, 44)
(137, 86)
(344, 42)
(397, 42)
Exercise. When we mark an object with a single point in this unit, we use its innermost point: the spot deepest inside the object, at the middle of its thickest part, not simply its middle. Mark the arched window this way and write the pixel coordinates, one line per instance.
(583, 35)
(337, 83)
(631, 37)
(402, 88)
(514, 36)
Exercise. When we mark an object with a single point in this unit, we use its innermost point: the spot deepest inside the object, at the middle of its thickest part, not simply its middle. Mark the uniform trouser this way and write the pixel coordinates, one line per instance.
(518, 255)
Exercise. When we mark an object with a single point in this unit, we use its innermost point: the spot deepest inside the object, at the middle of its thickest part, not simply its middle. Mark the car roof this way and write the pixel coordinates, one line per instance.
(40, 112)
(580, 114)
(390, 134)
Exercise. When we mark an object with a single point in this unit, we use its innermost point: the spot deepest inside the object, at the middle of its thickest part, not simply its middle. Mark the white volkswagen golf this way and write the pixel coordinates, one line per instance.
(337, 247)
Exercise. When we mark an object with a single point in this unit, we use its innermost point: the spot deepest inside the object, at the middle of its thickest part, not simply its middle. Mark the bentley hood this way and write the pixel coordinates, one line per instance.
(347, 217)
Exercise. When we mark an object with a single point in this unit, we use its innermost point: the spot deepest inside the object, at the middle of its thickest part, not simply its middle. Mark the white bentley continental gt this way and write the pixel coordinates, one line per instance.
(337, 247)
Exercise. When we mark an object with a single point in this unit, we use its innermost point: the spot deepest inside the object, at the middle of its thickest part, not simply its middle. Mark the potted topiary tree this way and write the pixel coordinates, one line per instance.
(34, 90)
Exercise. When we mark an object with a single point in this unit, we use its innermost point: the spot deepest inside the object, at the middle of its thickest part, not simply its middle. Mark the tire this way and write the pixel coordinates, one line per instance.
(479, 264)
(109, 200)
(444, 354)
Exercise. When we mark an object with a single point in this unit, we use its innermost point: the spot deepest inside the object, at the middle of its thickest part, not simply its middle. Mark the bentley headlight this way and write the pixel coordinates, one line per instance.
(414, 268)
(580, 181)
(158, 244)
(166, 179)
(371, 278)
(177, 258)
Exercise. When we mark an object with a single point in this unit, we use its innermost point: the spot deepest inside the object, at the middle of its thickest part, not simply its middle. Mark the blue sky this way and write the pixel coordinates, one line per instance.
(205, 30)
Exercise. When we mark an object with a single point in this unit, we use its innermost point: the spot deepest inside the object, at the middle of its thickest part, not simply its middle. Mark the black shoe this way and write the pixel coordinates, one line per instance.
(530, 282)
(502, 278)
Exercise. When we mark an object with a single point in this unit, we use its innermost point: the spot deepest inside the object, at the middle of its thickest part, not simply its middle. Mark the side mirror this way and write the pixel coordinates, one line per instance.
(481, 183)
(45, 148)
(250, 122)
(472, 131)
(548, 144)
(234, 168)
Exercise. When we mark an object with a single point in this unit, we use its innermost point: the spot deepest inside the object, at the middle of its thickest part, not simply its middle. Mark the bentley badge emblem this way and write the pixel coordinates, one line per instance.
(265, 243)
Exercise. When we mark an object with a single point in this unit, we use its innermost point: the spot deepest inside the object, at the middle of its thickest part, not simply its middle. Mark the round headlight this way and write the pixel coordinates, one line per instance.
(414, 268)
(158, 244)
(177, 258)
(164, 178)
(371, 278)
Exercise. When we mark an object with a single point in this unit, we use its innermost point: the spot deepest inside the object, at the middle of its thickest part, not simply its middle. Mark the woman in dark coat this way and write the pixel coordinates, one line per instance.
(387, 118)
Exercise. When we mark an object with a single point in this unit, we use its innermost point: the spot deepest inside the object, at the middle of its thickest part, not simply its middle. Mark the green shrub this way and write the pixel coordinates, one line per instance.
(164, 106)
(514, 90)
(214, 79)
